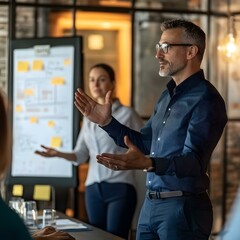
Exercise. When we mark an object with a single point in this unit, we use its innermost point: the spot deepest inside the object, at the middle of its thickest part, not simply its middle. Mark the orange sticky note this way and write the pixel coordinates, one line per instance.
(51, 123)
(23, 66)
(57, 81)
(37, 65)
(28, 92)
(18, 108)
(56, 142)
(67, 61)
(33, 120)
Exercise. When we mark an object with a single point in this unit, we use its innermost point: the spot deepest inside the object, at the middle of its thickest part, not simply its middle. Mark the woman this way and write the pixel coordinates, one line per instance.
(110, 196)
(11, 225)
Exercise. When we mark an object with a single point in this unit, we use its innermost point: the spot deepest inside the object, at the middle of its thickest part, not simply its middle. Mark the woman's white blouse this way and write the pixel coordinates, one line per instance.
(93, 140)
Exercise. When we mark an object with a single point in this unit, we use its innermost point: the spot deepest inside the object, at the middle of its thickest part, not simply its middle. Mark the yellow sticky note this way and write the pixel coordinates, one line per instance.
(23, 66)
(17, 190)
(51, 123)
(67, 61)
(37, 65)
(28, 92)
(18, 108)
(33, 120)
(57, 81)
(42, 192)
(56, 142)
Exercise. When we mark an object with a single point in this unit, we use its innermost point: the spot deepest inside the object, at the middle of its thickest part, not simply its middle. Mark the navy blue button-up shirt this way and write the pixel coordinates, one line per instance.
(185, 126)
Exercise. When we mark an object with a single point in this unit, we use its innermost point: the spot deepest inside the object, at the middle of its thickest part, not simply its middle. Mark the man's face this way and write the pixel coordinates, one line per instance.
(172, 59)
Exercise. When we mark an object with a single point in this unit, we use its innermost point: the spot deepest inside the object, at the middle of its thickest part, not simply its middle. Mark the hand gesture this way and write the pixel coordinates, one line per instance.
(95, 112)
(132, 159)
(44, 231)
(49, 152)
(50, 233)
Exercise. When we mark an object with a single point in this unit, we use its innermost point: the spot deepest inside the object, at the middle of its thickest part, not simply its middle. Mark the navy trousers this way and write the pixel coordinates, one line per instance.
(176, 218)
(111, 206)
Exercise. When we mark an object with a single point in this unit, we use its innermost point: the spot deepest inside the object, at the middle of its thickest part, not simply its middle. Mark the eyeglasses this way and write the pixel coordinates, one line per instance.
(164, 46)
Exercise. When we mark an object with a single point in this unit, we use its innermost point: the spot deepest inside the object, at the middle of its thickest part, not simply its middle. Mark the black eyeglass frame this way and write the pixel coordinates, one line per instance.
(164, 46)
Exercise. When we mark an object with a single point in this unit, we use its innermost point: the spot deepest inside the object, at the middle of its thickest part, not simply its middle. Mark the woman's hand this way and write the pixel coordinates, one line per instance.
(49, 152)
(50, 233)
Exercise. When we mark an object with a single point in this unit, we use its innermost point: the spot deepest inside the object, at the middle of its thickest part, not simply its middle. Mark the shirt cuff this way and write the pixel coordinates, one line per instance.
(112, 126)
(161, 165)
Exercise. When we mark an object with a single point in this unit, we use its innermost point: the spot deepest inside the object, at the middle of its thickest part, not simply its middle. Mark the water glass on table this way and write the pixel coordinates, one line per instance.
(17, 204)
(30, 214)
(49, 218)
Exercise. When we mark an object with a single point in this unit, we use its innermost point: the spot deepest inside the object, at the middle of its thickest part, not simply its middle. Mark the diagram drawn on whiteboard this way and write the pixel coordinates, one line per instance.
(43, 111)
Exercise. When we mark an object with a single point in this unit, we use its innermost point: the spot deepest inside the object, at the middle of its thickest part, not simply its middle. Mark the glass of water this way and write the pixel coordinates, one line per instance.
(17, 204)
(30, 214)
(49, 218)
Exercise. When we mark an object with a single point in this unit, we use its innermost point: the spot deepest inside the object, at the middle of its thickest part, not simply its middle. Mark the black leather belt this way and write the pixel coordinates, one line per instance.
(162, 195)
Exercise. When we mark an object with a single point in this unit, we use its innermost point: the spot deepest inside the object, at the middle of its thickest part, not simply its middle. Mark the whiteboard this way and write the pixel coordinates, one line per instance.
(44, 79)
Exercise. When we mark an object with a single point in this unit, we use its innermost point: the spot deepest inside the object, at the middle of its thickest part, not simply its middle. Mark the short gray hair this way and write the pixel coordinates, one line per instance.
(192, 32)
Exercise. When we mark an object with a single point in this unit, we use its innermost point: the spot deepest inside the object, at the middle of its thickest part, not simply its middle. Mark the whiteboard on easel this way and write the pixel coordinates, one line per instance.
(44, 79)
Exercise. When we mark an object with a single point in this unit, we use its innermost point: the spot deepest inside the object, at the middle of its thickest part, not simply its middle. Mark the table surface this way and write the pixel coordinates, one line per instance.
(93, 234)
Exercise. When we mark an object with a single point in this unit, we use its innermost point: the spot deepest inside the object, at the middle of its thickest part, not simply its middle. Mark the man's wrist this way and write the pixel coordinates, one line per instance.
(106, 123)
(152, 167)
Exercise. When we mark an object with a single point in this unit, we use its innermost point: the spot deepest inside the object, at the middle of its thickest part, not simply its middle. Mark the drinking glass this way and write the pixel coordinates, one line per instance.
(17, 204)
(49, 217)
(30, 214)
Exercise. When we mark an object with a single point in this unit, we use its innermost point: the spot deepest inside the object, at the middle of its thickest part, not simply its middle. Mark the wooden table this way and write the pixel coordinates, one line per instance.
(93, 234)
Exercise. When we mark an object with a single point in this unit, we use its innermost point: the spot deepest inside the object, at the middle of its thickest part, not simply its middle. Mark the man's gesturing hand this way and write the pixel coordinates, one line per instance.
(95, 112)
(132, 159)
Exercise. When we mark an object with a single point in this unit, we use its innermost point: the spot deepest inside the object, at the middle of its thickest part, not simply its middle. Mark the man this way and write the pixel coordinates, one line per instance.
(176, 143)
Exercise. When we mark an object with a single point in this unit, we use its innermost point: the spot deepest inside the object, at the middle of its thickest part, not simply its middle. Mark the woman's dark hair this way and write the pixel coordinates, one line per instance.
(107, 68)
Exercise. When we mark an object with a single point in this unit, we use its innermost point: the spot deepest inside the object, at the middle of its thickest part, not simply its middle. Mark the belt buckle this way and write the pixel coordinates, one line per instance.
(152, 194)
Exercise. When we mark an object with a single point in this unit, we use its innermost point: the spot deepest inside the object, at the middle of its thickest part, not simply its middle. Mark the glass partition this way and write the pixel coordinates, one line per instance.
(25, 20)
(3, 47)
(25, 1)
(222, 6)
(218, 77)
(147, 83)
(106, 3)
(173, 4)
(57, 2)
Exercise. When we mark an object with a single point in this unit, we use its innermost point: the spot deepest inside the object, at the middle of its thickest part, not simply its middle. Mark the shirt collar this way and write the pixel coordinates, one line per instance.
(186, 84)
